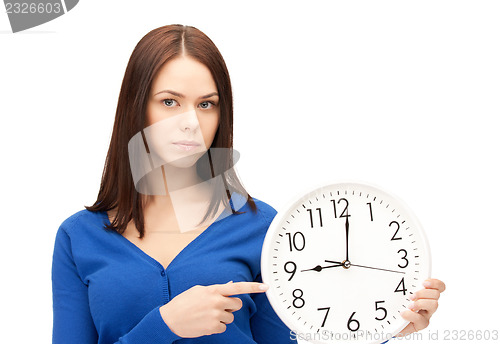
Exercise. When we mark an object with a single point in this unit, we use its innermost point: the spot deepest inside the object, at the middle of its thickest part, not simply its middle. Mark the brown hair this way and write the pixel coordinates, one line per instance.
(150, 54)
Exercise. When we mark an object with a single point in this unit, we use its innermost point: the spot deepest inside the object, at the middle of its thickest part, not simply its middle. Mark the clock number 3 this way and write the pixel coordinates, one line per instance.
(404, 257)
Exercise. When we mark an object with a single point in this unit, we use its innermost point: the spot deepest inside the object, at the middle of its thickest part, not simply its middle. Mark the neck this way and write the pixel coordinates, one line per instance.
(183, 203)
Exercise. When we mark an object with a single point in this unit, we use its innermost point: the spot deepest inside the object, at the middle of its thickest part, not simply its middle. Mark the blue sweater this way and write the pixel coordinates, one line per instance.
(107, 290)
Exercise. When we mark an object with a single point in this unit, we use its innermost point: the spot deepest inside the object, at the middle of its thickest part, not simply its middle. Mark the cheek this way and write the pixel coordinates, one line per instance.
(149, 117)
(153, 113)
(209, 127)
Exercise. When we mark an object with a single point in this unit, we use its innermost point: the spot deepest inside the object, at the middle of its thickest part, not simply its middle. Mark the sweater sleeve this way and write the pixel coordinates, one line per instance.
(72, 320)
(265, 324)
(151, 329)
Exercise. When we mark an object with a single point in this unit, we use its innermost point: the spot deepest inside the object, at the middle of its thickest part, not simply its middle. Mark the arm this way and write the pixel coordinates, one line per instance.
(72, 320)
(265, 324)
(151, 329)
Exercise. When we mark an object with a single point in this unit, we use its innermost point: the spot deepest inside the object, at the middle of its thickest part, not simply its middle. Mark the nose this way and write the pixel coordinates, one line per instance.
(189, 121)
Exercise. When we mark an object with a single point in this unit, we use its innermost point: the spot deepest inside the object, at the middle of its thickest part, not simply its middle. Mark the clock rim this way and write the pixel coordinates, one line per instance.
(312, 187)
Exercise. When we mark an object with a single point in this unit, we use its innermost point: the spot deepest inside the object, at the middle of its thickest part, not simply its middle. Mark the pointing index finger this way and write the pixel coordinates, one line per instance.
(238, 288)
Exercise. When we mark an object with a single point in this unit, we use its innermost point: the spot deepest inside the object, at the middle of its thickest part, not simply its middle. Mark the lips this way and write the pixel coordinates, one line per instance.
(186, 145)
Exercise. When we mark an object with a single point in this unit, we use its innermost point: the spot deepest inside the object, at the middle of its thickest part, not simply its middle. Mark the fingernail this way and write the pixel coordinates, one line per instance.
(229, 282)
(427, 284)
(263, 286)
(411, 305)
(412, 297)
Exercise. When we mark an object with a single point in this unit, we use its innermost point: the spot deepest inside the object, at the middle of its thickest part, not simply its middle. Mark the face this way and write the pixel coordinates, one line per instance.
(182, 114)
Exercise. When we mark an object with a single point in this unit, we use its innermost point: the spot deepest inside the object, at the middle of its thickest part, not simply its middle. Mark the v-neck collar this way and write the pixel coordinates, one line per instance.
(194, 242)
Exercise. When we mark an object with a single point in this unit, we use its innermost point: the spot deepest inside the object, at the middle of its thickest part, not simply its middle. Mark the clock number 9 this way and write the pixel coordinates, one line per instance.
(299, 297)
(293, 270)
(293, 242)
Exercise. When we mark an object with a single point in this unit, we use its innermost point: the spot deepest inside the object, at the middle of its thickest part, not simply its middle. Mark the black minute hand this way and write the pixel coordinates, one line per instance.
(347, 237)
(361, 266)
(369, 267)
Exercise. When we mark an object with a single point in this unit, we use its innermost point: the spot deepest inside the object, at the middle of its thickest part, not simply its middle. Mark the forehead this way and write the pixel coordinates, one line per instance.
(185, 75)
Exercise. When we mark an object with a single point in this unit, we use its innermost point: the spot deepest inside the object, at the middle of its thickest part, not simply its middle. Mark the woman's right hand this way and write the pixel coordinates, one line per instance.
(204, 310)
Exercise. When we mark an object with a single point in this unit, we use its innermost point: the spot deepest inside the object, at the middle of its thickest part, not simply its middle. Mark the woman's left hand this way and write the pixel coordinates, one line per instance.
(425, 301)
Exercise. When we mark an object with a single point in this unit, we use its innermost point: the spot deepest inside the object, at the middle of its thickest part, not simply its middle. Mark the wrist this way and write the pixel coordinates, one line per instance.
(164, 314)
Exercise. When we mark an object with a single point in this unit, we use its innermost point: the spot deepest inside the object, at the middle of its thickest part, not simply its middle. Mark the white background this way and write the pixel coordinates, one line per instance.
(400, 94)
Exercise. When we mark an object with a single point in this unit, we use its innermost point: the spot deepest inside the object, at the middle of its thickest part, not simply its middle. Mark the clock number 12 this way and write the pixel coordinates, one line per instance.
(345, 212)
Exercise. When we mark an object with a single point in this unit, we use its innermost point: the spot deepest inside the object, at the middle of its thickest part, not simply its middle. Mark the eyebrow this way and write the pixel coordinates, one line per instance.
(182, 96)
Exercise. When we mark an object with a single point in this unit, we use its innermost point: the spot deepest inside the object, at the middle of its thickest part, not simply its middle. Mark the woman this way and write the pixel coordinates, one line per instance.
(150, 261)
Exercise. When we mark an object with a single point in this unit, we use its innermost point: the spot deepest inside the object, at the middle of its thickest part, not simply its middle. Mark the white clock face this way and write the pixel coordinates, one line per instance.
(341, 262)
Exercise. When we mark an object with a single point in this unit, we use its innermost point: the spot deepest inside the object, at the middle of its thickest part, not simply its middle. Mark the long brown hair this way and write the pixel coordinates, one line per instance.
(150, 54)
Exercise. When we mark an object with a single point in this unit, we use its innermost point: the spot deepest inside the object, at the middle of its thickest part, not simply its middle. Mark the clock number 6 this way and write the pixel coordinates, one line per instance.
(351, 320)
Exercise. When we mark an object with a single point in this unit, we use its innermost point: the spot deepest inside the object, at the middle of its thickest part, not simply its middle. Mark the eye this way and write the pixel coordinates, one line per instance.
(207, 105)
(168, 102)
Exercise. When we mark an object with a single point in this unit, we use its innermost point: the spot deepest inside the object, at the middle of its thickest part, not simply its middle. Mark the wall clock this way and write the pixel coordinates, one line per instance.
(341, 261)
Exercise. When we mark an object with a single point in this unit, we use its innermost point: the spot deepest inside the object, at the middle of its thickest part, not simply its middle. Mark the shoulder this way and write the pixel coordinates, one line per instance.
(265, 211)
(75, 223)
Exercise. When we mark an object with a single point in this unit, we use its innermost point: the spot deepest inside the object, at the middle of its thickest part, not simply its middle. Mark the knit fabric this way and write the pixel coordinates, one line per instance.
(107, 290)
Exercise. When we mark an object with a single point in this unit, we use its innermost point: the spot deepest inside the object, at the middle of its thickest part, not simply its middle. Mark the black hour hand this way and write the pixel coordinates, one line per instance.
(318, 268)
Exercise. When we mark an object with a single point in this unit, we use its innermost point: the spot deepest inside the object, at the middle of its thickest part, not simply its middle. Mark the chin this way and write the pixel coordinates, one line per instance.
(186, 161)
